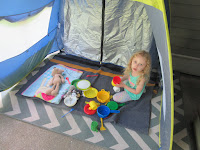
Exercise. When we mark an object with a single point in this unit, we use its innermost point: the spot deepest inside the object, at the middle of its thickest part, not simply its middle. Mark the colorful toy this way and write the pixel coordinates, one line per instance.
(103, 111)
(68, 80)
(91, 75)
(74, 82)
(55, 81)
(88, 111)
(94, 126)
(70, 101)
(102, 128)
(116, 80)
(83, 85)
(72, 96)
(114, 105)
(103, 96)
(68, 112)
(90, 93)
(93, 105)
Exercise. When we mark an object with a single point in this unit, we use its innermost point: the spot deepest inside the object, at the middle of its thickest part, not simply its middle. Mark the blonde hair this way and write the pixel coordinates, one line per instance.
(146, 72)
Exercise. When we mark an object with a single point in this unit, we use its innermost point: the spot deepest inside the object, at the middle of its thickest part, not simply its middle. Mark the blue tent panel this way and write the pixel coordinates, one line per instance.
(15, 7)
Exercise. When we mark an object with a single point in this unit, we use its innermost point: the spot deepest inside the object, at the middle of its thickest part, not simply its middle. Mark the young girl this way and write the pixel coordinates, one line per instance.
(137, 73)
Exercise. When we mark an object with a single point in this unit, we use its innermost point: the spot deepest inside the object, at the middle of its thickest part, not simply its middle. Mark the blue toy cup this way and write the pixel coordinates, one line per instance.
(103, 111)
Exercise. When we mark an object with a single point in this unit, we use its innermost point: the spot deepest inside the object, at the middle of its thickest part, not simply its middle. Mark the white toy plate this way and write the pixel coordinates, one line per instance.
(70, 101)
(83, 85)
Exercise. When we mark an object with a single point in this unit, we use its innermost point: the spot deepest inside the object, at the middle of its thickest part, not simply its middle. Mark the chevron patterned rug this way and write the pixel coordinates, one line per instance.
(115, 137)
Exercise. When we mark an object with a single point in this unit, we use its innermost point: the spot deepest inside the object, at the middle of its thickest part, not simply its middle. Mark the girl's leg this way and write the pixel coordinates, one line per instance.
(121, 97)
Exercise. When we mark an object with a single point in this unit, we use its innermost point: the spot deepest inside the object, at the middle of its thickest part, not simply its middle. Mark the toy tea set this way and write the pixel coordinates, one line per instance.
(92, 107)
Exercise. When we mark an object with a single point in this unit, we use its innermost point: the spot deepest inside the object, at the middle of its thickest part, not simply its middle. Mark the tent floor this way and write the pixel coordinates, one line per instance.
(19, 135)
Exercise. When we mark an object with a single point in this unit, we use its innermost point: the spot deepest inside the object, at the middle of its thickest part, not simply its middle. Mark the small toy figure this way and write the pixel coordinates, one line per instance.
(56, 81)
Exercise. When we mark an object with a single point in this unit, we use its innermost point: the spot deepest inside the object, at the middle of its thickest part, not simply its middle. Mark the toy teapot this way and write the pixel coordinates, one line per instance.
(93, 105)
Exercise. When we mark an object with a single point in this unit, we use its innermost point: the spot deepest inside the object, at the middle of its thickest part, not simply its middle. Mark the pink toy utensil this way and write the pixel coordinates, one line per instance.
(68, 80)
(91, 75)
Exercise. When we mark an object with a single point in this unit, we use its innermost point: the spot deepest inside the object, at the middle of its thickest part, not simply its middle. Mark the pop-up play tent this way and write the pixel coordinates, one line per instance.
(101, 32)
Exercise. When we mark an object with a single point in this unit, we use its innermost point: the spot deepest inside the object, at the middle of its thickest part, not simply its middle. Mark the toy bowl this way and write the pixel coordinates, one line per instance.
(103, 96)
(91, 92)
(103, 111)
(83, 85)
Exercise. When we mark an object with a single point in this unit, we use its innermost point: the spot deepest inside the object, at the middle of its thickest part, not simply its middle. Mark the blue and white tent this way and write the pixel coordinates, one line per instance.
(101, 30)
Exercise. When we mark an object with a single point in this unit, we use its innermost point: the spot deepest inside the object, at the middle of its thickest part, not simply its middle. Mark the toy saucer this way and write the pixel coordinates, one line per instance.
(91, 92)
(83, 85)
(89, 112)
(70, 101)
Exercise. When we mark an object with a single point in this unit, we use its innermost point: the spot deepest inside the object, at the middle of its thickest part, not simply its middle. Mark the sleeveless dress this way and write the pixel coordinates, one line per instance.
(132, 84)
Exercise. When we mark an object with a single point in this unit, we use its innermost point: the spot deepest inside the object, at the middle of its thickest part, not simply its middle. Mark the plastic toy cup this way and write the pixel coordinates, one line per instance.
(115, 80)
(103, 111)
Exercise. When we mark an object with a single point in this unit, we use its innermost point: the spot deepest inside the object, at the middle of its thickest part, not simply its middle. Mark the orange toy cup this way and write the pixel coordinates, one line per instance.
(115, 80)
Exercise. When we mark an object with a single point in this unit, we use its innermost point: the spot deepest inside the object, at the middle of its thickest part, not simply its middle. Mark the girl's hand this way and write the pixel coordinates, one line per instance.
(121, 84)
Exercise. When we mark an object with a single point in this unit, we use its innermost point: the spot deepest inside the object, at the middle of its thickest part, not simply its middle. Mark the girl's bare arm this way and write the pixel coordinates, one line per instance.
(134, 91)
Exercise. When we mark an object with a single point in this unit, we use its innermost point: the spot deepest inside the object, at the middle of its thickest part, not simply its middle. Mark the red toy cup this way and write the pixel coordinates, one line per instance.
(116, 80)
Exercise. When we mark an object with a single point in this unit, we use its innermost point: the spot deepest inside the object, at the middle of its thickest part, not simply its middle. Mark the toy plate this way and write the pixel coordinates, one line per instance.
(70, 101)
(83, 85)
(91, 93)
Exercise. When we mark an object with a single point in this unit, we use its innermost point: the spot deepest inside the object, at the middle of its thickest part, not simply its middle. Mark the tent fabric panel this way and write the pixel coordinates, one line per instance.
(54, 19)
(162, 5)
(161, 37)
(126, 30)
(24, 16)
(23, 34)
(25, 62)
(124, 21)
(10, 7)
(155, 3)
(82, 35)
(58, 22)
(21, 17)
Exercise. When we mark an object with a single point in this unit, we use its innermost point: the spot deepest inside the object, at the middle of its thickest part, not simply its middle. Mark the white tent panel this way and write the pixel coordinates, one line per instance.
(19, 36)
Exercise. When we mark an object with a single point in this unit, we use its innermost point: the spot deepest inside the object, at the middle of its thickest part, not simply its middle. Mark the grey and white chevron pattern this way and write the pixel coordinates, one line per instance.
(180, 140)
(115, 137)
